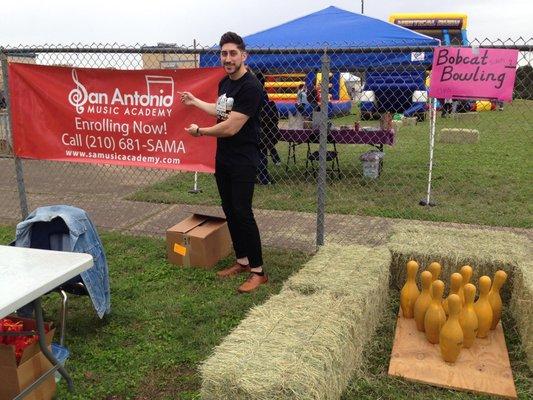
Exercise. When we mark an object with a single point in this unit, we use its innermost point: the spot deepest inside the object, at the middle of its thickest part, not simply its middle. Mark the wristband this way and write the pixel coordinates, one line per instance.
(198, 131)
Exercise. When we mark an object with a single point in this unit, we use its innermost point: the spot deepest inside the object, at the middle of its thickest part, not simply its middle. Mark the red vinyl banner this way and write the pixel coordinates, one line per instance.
(104, 116)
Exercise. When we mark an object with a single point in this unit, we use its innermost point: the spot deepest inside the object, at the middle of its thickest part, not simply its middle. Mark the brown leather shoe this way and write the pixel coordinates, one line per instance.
(252, 283)
(233, 270)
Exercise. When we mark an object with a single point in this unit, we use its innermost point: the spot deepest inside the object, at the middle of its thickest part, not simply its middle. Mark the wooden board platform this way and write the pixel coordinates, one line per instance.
(484, 368)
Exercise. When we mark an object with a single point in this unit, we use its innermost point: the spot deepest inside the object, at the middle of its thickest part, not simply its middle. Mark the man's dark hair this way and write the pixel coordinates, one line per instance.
(232, 37)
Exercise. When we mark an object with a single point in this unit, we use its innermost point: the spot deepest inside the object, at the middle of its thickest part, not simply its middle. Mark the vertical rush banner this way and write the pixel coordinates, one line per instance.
(103, 116)
(473, 73)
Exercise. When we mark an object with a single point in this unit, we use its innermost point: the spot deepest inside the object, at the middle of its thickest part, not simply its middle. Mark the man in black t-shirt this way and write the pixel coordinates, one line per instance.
(237, 131)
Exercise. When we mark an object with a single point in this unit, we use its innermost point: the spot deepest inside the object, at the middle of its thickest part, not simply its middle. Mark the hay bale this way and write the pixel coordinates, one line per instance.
(292, 347)
(467, 116)
(522, 306)
(458, 135)
(303, 346)
(486, 251)
(342, 270)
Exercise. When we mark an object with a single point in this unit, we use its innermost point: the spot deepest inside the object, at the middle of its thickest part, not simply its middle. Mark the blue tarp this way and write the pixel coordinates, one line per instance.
(332, 28)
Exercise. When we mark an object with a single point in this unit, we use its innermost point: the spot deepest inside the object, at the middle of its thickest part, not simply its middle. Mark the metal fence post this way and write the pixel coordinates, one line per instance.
(322, 150)
(433, 121)
(18, 163)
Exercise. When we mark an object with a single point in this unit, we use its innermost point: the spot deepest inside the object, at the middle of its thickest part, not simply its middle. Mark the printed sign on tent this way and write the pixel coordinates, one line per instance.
(473, 73)
(102, 116)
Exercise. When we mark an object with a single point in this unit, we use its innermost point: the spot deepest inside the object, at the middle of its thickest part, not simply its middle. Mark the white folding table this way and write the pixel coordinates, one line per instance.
(27, 274)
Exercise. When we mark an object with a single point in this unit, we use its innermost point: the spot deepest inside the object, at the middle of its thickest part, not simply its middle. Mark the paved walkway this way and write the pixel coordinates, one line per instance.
(103, 191)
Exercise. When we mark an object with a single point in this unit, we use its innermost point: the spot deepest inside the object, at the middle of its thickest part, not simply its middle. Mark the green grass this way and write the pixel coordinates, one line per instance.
(484, 183)
(165, 320)
(7, 234)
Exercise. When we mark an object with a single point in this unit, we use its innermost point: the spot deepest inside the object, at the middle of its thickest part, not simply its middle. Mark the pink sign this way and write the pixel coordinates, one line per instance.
(473, 73)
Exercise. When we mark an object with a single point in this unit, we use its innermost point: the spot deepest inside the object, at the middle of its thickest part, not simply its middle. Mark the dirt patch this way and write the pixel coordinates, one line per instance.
(168, 382)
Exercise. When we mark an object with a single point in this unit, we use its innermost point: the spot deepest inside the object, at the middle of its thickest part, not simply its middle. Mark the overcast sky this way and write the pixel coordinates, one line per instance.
(149, 22)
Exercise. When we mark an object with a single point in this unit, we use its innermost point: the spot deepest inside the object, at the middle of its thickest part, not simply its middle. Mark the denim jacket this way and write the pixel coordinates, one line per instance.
(83, 239)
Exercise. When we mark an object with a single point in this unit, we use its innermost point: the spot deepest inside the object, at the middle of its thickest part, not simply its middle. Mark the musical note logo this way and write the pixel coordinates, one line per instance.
(78, 96)
(162, 87)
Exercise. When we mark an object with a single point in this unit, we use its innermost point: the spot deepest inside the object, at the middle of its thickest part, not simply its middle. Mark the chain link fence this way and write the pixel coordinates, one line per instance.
(345, 144)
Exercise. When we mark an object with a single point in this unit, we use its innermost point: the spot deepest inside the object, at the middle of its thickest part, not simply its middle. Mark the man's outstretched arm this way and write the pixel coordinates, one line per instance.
(188, 99)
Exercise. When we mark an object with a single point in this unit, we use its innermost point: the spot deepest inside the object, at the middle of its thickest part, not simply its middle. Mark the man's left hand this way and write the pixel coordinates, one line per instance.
(193, 130)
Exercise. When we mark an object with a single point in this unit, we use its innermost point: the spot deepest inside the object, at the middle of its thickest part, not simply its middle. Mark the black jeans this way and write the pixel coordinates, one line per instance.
(236, 188)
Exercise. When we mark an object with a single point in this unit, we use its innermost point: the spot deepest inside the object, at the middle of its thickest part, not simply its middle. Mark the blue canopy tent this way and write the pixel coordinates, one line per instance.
(334, 29)
(353, 41)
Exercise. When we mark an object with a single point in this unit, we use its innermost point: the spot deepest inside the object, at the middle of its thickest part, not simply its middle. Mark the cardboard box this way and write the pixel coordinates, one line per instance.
(15, 378)
(199, 240)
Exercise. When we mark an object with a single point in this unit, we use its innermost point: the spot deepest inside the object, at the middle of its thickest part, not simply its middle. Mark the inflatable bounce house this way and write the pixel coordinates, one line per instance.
(451, 30)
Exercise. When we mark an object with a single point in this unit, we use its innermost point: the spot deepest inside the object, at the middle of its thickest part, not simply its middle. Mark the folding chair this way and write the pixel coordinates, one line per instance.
(55, 235)
(332, 157)
(67, 228)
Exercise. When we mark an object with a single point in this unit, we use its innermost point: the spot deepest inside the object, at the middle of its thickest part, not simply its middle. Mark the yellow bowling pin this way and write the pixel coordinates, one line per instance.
(422, 302)
(451, 334)
(410, 291)
(468, 317)
(466, 273)
(435, 316)
(494, 297)
(435, 269)
(456, 282)
(482, 308)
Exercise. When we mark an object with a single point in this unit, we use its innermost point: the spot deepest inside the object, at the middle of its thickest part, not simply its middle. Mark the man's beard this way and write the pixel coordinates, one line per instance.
(233, 65)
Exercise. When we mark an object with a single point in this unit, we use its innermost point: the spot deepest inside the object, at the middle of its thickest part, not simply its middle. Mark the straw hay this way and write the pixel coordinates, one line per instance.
(307, 342)
(458, 135)
(486, 251)
(342, 270)
(470, 116)
(522, 306)
(304, 343)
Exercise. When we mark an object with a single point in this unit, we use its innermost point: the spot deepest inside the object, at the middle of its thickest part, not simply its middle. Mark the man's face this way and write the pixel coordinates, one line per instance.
(231, 57)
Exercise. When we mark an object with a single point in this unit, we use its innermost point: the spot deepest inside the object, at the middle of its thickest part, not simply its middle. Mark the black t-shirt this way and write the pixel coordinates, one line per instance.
(243, 95)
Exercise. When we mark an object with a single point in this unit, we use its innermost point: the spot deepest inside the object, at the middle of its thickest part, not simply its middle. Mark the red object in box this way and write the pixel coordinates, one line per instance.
(19, 342)
(15, 375)
(9, 325)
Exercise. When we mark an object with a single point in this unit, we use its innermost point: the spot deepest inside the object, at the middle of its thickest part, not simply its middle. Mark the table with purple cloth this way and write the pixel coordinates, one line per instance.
(373, 136)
